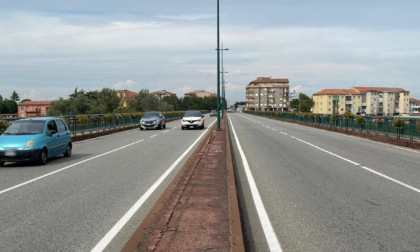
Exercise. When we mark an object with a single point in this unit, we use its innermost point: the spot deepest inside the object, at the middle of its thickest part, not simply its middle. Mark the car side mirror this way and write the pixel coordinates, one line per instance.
(202, 116)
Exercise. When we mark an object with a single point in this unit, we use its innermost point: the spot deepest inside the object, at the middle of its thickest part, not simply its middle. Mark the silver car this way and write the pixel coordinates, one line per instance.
(152, 120)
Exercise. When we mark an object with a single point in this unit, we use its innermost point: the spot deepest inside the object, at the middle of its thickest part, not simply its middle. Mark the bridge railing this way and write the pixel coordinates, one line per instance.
(409, 128)
(85, 124)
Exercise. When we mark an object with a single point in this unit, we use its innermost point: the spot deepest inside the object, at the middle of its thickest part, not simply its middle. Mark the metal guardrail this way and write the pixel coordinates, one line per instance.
(92, 126)
(379, 125)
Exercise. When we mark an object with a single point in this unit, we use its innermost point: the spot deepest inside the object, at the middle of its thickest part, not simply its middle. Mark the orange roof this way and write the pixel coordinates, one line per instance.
(379, 89)
(337, 92)
(125, 91)
(269, 80)
(414, 100)
(35, 103)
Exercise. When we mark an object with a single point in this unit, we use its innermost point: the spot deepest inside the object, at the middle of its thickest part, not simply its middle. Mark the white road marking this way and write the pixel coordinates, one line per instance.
(153, 135)
(67, 167)
(267, 127)
(274, 129)
(123, 221)
(283, 133)
(361, 166)
(270, 235)
(165, 131)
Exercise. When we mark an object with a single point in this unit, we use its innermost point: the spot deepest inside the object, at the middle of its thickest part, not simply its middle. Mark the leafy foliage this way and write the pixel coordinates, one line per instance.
(3, 126)
(398, 123)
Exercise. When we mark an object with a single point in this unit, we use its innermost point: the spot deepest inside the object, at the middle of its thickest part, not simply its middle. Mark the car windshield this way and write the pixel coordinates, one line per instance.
(25, 128)
(192, 114)
(151, 115)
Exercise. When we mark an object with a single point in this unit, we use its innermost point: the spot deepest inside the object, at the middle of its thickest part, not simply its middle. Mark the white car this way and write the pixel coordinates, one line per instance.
(192, 119)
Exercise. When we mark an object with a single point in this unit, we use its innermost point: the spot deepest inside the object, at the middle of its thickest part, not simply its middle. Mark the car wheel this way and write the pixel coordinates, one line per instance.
(141, 128)
(43, 157)
(68, 151)
(164, 126)
(182, 128)
(1, 163)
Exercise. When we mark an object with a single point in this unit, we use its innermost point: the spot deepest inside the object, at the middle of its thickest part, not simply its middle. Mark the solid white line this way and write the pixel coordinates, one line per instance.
(67, 167)
(361, 166)
(121, 223)
(270, 235)
(153, 136)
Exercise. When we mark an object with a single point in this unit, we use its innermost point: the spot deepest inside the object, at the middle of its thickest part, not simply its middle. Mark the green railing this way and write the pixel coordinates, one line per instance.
(379, 125)
(101, 124)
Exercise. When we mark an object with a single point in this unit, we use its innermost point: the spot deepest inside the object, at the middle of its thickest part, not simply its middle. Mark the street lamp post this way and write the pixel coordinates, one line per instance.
(218, 69)
(223, 82)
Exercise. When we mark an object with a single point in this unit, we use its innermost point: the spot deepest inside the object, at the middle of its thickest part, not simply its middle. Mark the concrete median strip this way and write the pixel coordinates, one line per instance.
(199, 209)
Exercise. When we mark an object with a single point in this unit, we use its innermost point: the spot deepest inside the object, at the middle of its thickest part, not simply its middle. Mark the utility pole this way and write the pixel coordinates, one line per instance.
(218, 69)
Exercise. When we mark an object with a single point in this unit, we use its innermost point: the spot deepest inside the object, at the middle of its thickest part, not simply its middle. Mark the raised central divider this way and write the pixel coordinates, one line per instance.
(199, 209)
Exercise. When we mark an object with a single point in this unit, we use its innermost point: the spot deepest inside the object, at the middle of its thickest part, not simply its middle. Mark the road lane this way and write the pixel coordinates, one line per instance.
(319, 202)
(72, 210)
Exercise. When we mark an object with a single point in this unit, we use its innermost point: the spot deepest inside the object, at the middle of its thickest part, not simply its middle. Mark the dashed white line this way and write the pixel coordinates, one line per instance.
(270, 235)
(361, 166)
(165, 131)
(153, 135)
(67, 167)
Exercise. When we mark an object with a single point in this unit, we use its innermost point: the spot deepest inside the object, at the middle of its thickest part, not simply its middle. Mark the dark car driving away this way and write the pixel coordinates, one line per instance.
(152, 120)
(213, 113)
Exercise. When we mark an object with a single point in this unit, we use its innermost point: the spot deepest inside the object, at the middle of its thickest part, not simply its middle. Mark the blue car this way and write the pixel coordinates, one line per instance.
(35, 139)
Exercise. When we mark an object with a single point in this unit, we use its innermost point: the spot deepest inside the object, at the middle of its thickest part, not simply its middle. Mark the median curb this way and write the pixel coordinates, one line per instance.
(199, 209)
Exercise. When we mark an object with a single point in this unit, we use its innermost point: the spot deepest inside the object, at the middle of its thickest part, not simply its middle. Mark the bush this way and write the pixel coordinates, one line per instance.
(126, 116)
(3, 126)
(118, 117)
(280, 113)
(360, 120)
(96, 119)
(334, 118)
(291, 113)
(347, 115)
(82, 119)
(398, 123)
(109, 118)
(318, 117)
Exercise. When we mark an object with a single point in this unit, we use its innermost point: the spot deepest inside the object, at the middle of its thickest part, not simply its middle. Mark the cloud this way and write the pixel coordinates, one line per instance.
(128, 84)
(46, 50)
(187, 17)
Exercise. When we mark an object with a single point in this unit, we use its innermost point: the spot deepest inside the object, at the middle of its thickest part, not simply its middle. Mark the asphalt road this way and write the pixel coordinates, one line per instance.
(71, 204)
(323, 191)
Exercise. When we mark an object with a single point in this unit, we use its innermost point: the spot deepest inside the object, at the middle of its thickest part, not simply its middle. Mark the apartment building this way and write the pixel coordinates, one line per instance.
(33, 108)
(266, 94)
(414, 106)
(337, 101)
(384, 101)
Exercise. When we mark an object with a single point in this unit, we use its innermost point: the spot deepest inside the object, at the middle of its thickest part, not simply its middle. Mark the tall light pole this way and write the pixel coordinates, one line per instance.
(218, 69)
(223, 82)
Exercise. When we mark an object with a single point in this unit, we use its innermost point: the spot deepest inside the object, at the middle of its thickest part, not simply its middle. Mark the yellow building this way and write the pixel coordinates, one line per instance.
(125, 95)
(384, 101)
(337, 101)
(266, 94)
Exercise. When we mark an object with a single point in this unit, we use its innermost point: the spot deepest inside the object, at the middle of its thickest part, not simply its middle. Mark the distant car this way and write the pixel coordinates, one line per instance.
(213, 113)
(35, 139)
(152, 120)
(192, 119)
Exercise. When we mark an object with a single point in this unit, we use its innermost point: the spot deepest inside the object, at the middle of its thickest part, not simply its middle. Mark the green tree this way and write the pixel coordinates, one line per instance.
(306, 103)
(14, 96)
(9, 107)
(109, 98)
(62, 107)
(172, 100)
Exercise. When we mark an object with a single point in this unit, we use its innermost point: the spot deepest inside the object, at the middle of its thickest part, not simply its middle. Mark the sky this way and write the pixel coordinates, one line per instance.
(50, 47)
